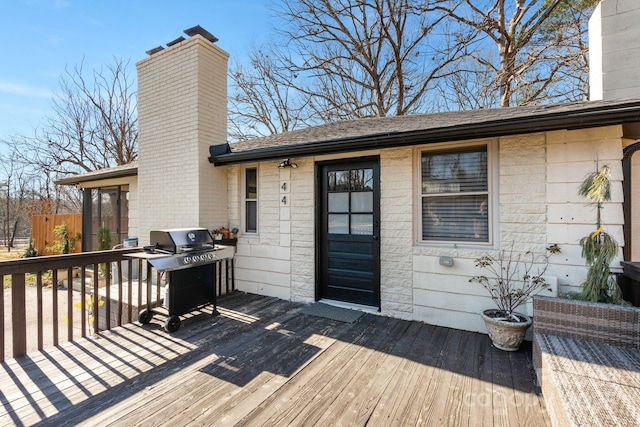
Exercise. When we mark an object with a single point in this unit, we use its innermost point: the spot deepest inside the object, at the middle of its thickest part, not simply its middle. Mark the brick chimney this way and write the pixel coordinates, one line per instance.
(182, 110)
(614, 50)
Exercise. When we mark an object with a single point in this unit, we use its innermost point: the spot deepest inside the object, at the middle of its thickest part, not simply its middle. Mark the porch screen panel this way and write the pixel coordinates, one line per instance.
(455, 195)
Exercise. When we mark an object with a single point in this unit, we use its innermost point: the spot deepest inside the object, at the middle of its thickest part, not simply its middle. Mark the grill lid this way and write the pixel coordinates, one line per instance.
(181, 240)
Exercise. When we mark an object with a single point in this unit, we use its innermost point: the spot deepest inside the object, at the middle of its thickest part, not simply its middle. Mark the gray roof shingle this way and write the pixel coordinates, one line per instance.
(405, 130)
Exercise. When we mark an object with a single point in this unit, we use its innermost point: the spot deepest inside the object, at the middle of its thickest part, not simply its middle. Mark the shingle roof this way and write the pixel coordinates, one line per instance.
(385, 132)
(129, 169)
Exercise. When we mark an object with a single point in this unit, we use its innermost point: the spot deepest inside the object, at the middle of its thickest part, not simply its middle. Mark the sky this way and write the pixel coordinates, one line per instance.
(41, 37)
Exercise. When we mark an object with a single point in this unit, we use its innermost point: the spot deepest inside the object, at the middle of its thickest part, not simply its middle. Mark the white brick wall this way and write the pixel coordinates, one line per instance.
(182, 95)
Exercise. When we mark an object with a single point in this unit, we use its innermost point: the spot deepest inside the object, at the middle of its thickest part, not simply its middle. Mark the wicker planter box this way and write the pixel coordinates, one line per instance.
(587, 361)
(602, 323)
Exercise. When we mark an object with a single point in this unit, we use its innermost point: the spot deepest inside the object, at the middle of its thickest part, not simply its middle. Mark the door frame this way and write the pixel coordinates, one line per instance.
(320, 240)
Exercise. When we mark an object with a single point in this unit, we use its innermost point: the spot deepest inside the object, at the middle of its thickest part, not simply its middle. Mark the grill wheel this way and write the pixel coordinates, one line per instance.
(145, 317)
(172, 323)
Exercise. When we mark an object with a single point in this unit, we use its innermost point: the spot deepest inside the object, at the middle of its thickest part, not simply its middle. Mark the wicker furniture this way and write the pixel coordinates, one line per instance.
(587, 361)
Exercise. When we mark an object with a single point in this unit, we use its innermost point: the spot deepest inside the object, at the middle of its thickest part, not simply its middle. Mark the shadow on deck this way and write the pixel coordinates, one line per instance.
(262, 362)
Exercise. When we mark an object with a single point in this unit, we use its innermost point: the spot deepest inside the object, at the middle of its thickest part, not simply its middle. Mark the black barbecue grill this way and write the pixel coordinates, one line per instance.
(188, 258)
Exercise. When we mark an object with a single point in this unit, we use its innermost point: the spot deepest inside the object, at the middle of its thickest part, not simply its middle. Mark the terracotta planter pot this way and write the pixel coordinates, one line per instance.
(507, 336)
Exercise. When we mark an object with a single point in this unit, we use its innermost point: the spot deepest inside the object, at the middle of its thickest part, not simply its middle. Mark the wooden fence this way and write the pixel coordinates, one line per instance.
(42, 231)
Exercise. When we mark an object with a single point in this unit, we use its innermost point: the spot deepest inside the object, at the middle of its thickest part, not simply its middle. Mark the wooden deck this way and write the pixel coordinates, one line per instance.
(261, 362)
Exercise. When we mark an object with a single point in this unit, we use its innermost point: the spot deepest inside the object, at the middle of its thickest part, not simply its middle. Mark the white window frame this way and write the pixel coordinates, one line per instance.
(492, 193)
(244, 200)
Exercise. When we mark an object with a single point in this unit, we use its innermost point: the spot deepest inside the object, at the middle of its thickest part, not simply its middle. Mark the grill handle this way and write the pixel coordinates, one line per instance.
(154, 249)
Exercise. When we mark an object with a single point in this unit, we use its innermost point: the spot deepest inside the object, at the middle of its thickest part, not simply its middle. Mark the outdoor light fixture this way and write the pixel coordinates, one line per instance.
(286, 163)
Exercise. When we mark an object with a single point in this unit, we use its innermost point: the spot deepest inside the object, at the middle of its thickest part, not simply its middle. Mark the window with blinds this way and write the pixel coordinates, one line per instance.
(455, 195)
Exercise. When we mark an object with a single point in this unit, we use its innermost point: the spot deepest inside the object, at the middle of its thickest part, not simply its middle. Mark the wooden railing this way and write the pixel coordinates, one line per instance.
(82, 293)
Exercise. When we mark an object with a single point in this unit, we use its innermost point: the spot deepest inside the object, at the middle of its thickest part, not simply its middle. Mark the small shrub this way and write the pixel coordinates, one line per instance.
(30, 251)
(65, 243)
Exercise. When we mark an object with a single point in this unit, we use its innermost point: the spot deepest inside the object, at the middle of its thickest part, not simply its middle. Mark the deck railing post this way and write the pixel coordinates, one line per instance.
(45, 330)
(70, 304)
(95, 300)
(2, 319)
(18, 315)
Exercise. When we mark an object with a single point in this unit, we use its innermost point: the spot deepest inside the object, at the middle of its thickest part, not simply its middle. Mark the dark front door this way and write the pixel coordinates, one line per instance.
(349, 223)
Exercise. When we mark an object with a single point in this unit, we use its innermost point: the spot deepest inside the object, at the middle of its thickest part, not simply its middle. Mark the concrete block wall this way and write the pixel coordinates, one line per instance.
(537, 176)
(181, 112)
(443, 295)
(396, 232)
(263, 259)
(614, 50)
(571, 155)
(523, 192)
(302, 230)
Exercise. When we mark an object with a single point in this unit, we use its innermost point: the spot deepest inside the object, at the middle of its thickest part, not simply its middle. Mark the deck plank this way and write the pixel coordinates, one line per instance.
(278, 353)
(355, 403)
(308, 393)
(176, 376)
(262, 362)
(480, 394)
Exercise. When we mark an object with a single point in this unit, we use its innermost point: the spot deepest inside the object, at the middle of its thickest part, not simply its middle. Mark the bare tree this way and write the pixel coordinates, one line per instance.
(368, 57)
(264, 102)
(14, 189)
(469, 86)
(539, 43)
(94, 124)
(25, 190)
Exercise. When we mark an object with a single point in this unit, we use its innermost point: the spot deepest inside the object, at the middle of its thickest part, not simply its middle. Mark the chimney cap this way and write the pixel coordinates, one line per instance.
(199, 30)
(154, 50)
(176, 41)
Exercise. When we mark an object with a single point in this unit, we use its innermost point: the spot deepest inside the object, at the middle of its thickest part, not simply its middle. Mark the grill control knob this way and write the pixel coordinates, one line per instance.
(210, 256)
(203, 257)
(186, 260)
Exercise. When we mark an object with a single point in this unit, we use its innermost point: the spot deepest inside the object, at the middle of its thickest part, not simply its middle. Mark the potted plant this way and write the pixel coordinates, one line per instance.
(225, 232)
(217, 235)
(599, 248)
(511, 282)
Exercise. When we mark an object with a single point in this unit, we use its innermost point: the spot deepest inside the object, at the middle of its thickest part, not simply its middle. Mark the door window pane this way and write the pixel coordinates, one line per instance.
(338, 224)
(361, 179)
(362, 224)
(338, 202)
(362, 202)
(342, 181)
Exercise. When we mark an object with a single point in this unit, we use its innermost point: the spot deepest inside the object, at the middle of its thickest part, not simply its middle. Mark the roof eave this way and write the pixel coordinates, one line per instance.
(78, 179)
(581, 119)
